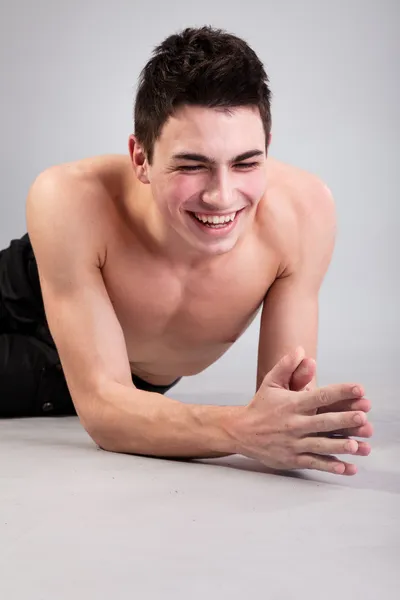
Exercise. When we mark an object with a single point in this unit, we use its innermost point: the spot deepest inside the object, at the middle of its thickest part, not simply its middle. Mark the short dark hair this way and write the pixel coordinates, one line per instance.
(201, 66)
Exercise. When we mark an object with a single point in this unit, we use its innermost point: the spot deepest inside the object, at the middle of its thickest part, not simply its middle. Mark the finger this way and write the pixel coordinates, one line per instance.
(322, 423)
(365, 431)
(303, 375)
(325, 396)
(326, 445)
(337, 445)
(329, 464)
(359, 404)
(364, 449)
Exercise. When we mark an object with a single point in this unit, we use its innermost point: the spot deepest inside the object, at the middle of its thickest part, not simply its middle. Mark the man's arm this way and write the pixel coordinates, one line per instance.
(291, 308)
(65, 224)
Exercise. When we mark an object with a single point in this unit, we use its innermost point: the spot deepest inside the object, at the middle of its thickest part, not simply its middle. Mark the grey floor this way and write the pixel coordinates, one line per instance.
(77, 522)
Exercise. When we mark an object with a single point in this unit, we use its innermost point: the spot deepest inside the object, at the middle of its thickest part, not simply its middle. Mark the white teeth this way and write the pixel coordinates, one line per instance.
(214, 219)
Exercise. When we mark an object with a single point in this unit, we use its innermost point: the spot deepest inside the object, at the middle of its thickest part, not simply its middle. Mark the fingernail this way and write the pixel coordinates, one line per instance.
(356, 391)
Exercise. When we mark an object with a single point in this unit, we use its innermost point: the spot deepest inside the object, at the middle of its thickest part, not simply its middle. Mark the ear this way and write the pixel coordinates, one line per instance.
(138, 159)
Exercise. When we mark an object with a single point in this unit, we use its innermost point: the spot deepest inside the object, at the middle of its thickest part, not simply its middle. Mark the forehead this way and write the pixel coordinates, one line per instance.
(212, 131)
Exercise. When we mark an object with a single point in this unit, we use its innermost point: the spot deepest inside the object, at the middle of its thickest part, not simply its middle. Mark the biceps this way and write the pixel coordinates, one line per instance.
(67, 235)
(88, 337)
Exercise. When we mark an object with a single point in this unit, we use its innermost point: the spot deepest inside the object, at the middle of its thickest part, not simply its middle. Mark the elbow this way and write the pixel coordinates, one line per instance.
(103, 439)
(100, 433)
(104, 421)
(105, 433)
(96, 425)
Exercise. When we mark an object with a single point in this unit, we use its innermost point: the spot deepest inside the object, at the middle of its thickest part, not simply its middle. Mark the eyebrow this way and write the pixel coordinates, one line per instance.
(201, 158)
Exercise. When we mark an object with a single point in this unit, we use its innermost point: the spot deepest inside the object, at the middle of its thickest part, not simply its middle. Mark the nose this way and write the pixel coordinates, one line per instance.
(219, 195)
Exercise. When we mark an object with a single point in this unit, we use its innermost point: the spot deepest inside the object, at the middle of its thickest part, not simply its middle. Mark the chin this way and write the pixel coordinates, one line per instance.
(215, 248)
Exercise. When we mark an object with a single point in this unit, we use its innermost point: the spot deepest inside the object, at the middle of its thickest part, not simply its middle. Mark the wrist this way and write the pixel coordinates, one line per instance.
(230, 422)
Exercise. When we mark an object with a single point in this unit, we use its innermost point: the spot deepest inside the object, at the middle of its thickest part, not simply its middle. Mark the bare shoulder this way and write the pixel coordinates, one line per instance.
(307, 212)
(70, 202)
(107, 171)
(304, 190)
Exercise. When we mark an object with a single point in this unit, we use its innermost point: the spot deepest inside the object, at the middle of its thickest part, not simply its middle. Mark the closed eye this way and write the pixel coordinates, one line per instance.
(189, 168)
(253, 164)
(198, 167)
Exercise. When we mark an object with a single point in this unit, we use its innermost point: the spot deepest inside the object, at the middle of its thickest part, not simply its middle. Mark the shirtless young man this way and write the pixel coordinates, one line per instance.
(138, 291)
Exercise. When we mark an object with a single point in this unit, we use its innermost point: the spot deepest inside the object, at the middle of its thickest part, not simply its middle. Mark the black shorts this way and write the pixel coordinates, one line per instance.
(32, 381)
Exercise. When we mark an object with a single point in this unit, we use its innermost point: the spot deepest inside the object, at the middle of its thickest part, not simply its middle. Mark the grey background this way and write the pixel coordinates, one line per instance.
(102, 524)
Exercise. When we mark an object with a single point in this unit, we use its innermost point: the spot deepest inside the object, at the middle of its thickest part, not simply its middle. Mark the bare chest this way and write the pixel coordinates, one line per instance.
(179, 324)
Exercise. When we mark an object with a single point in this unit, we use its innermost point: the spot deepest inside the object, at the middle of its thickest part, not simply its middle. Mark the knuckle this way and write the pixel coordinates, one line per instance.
(347, 447)
(344, 420)
(307, 462)
(298, 461)
(296, 404)
(349, 420)
(290, 425)
(293, 449)
(317, 445)
(323, 397)
(312, 463)
(346, 391)
(324, 423)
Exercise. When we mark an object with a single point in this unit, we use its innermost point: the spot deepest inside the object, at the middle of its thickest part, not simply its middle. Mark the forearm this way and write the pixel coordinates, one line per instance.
(132, 421)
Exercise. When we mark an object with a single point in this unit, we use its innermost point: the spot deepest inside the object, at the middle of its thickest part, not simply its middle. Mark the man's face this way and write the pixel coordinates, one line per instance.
(222, 181)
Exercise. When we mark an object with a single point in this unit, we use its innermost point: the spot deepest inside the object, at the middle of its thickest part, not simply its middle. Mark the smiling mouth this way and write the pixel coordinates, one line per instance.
(215, 221)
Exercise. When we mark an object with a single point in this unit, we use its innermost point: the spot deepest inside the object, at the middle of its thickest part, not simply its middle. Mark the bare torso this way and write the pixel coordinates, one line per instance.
(177, 322)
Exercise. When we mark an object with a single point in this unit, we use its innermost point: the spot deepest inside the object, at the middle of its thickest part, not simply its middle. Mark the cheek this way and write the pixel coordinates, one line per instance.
(253, 187)
(183, 188)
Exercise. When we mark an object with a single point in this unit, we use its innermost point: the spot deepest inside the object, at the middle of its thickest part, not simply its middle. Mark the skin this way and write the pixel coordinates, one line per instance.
(133, 234)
